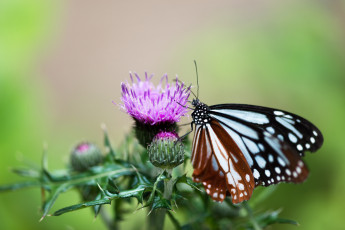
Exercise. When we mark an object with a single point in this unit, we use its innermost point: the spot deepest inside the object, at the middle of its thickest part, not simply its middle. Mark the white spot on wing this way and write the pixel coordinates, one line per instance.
(292, 138)
(230, 179)
(270, 130)
(300, 163)
(277, 169)
(261, 161)
(298, 170)
(288, 172)
(256, 174)
(281, 161)
(312, 140)
(247, 177)
(268, 173)
(288, 116)
(215, 195)
(278, 113)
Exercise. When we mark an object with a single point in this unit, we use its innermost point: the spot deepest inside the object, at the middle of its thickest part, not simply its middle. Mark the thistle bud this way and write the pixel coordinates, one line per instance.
(84, 156)
(166, 150)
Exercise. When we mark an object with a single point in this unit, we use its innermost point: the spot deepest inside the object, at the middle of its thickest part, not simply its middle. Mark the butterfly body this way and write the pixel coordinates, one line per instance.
(200, 115)
(239, 147)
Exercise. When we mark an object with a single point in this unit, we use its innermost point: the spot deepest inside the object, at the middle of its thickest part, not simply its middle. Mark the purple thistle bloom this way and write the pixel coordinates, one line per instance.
(152, 105)
(164, 135)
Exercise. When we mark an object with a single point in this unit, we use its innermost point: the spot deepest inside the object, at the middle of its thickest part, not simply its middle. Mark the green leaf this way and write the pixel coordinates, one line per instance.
(188, 181)
(97, 208)
(112, 186)
(47, 205)
(270, 218)
(31, 173)
(81, 206)
(160, 202)
(136, 192)
(25, 184)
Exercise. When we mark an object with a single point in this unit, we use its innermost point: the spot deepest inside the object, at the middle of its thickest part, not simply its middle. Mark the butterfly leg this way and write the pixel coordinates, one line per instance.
(191, 130)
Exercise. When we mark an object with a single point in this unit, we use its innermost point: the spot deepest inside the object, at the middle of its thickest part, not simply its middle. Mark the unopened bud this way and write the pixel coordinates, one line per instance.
(84, 156)
(166, 150)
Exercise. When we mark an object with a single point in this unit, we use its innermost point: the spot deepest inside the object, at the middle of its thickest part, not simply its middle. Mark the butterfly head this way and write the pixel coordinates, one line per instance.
(195, 102)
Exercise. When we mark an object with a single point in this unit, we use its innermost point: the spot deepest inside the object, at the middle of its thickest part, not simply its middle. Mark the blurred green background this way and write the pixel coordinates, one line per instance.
(61, 64)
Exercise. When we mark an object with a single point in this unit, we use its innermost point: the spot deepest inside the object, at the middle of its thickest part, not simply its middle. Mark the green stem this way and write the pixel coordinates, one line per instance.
(108, 221)
(157, 217)
(255, 224)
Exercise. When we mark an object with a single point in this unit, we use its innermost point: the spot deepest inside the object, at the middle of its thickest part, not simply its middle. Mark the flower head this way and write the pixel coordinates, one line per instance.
(166, 150)
(152, 105)
(85, 155)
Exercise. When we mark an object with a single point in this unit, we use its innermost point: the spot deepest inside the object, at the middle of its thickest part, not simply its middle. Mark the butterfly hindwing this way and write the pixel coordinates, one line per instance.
(226, 168)
(206, 168)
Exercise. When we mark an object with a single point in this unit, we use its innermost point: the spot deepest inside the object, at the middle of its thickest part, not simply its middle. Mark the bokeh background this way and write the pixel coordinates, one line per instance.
(61, 64)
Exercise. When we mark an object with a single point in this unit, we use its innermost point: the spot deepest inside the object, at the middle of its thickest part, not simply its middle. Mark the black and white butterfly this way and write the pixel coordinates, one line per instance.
(238, 147)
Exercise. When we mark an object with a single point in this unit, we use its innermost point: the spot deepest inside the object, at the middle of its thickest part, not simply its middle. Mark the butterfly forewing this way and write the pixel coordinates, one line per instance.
(296, 131)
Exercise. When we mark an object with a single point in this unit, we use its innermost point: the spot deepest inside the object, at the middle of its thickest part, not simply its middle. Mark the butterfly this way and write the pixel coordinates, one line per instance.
(238, 147)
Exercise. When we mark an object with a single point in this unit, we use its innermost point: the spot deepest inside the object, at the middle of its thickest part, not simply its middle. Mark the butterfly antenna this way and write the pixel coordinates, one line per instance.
(197, 79)
(189, 87)
(183, 105)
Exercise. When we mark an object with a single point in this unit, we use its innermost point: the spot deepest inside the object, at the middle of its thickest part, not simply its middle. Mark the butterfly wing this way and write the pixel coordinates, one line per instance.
(220, 164)
(290, 128)
(272, 141)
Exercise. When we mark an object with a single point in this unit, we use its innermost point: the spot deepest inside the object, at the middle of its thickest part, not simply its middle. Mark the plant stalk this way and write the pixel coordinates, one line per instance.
(157, 217)
(108, 221)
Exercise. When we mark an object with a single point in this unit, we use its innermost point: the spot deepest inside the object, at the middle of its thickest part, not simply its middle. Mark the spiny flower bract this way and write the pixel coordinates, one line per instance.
(152, 105)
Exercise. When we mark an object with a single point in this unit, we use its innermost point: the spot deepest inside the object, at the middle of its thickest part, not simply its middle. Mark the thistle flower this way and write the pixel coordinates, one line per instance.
(154, 108)
(166, 150)
(84, 156)
(154, 105)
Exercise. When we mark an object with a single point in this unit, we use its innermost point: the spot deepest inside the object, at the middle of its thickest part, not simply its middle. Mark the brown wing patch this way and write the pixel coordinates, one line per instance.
(201, 150)
(213, 180)
(220, 165)
(238, 175)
